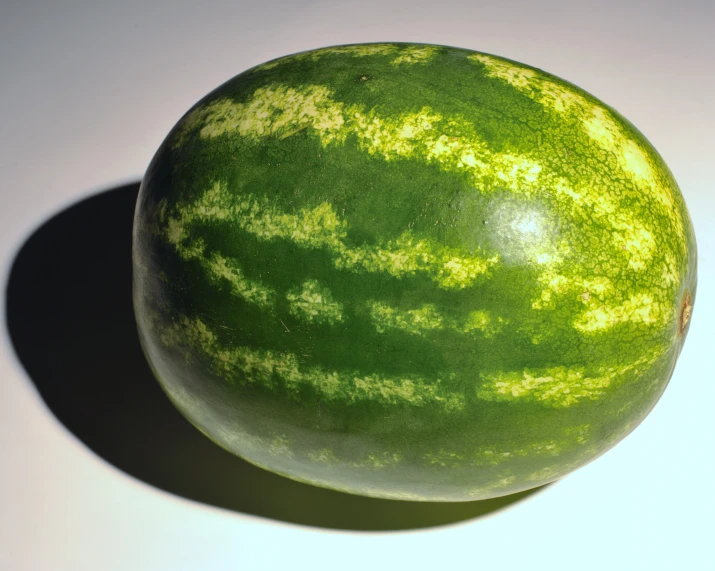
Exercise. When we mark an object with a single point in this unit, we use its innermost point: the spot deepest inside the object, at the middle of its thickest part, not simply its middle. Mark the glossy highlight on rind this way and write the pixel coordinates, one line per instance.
(411, 271)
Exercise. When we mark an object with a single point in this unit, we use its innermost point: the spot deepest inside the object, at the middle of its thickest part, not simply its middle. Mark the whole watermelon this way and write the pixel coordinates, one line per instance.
(411, 271)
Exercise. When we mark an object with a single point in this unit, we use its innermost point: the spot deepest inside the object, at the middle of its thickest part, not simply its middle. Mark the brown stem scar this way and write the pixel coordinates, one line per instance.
(686, 309)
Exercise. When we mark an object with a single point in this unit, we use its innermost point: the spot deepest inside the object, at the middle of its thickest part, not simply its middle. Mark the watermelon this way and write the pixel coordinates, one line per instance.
(411, 271)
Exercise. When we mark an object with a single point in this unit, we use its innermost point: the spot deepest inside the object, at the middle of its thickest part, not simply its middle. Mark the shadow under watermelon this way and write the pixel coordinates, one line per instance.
(71, 321)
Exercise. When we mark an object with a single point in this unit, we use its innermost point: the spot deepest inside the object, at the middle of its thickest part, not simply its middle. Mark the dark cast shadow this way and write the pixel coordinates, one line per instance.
(71, 322)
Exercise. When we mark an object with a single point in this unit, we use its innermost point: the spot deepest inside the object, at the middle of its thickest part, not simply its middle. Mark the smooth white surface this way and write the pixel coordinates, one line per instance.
(88, 90)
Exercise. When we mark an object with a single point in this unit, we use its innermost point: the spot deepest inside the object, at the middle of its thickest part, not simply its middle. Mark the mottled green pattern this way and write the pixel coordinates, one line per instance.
(411, 271)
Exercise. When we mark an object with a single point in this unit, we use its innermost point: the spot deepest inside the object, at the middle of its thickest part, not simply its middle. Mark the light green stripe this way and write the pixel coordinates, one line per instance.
(314, 303)
(427, 318)
(407, 55)
(321, 228)
(218, 268)
(560, 387)
(278, 368)
(600, 126)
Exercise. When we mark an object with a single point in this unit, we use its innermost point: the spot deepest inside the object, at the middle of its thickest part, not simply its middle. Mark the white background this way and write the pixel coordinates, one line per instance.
(89, 89)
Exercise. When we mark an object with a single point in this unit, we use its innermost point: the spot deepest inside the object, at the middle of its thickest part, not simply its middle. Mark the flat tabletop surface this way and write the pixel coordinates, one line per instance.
(98, 470)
